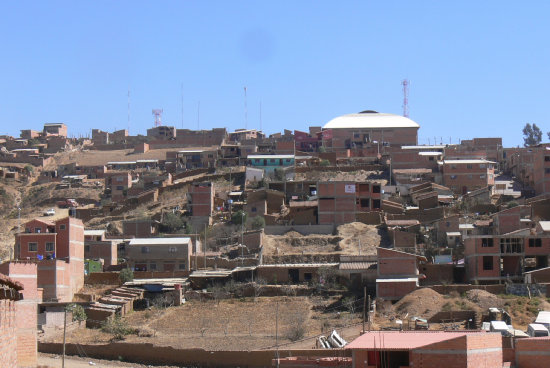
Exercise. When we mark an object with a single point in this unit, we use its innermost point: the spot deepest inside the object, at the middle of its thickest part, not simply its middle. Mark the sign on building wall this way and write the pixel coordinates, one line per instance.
(350, 188)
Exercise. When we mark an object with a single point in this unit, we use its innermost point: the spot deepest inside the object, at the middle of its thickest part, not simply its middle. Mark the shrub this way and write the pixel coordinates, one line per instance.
(239, 217)
(324, 163)
(78, 312)
(258, 223)
(118, 327)
(296, 331)
(126, 275)
(172, 222)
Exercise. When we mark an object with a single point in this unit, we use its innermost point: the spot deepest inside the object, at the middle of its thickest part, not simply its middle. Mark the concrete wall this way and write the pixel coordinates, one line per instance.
(151, 354)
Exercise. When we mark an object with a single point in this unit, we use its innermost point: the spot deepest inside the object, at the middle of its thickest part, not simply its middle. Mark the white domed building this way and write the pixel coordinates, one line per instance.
(358, 130)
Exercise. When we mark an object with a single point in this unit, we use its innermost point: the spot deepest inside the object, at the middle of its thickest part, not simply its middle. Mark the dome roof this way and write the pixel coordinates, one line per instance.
(370, 119)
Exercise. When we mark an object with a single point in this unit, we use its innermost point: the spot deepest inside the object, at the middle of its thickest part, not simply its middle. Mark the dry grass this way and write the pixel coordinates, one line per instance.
(234, 324)
(347, 241)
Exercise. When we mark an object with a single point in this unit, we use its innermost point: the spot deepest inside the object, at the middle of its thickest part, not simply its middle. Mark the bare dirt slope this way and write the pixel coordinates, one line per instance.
(347, 241)
(234, 324)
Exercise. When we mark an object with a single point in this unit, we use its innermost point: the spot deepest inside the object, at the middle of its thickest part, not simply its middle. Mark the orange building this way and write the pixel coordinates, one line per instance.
(463, 176)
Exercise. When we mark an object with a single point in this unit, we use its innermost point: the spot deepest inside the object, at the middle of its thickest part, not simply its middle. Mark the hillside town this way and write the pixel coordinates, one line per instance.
(346, 245)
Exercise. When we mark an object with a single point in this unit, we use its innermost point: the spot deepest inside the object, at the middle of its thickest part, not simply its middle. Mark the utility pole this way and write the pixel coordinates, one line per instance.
(204, 252)
(368, 316)
(64, 337)
(364, 306)
(277, 332)
(242, 238)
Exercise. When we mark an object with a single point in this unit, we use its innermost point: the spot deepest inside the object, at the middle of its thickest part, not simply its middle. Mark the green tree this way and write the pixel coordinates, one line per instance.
(279, 174)
(126, 275)
(78, 312)
(172, 222)
(324, 163)
(322, 149)
(532, 135)
(239, 217)
(258, 222)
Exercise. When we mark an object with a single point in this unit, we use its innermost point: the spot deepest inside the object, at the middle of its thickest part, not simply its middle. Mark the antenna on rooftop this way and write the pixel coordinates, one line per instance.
(128, 110)
(198, 115)
(182, 106)
(260, 116)
(157, 113)
(245, 111)
(405, 84)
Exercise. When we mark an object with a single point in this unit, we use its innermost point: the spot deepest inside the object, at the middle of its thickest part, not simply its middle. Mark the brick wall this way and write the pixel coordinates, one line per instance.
(8, 347)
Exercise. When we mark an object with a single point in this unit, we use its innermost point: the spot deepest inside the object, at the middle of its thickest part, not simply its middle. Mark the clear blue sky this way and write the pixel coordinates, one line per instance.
(476, 68)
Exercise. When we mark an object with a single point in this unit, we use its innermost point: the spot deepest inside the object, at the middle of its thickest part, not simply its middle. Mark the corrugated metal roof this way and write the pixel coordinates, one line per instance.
(357, 265)
(403, 340)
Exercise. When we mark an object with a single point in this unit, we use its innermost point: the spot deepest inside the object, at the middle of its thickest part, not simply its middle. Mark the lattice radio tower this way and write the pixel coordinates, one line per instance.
(157, 113)
(405, 84)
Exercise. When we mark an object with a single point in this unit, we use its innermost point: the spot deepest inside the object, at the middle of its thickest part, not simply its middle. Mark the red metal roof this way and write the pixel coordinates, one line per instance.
(402, 340)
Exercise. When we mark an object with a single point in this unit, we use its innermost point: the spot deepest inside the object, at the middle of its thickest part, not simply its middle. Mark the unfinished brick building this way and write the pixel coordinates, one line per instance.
(340, 201)
(26, 309)
(58, 249)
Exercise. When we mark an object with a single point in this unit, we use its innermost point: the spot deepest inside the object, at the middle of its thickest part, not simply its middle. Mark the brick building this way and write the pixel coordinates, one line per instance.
(397, 273)
(498, 258)
(8, 321)
(541, 169)
(58, 129)
(340, 201)
(162, 132)
(362, 129)
(427, 349)
(463, 176)
(58, 249)
(159, 254)
(201, 199)
(26, 310)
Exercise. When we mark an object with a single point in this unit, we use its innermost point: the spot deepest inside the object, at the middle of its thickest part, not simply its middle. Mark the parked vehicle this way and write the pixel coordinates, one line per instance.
(49, 212)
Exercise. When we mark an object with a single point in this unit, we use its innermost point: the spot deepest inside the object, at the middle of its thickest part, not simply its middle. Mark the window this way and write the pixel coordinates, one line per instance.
(375, 203)
(272, 160)
(62, 227)
(547, 170)
(482, 176)
(468, 166)
(33, 247)
(486, 242)
(535, 243)
(469, 176)
(546, 158)
(50, 247)
(447, 224)
(119, 187)
(153, 266)
(376, 188)
(308, 276)
(119, 179)
(487, 263)
(482, 166)
(253, 209)
(511, 245)
(453, 166)
(453, 176)
(182, 266)
(365, 202)
(145, 250)
(172, 249)
(37, 230)
(86, 248)
(430, 158)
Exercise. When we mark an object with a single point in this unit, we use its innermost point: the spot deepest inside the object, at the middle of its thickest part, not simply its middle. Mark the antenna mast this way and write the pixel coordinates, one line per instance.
(157, 113)
(405, 84)
(245, 110)
(128, 110)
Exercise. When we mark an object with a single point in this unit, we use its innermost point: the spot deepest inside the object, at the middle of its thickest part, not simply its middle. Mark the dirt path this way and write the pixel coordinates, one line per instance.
(54, 361)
